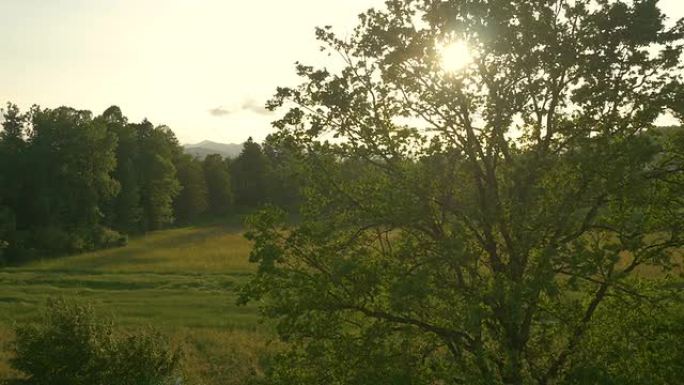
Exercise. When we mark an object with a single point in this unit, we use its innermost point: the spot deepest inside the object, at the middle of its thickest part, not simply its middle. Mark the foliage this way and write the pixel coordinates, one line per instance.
(124, 212)
(192, 201)
(69, 181)
(71, 157)
(11, 146)
(633, 345)
(249, 171)
(217, 176)
(283, 173)
(158, 182)
(467, 226)
(71, 345)
(56, 178)
(7, 225)
(106, 237)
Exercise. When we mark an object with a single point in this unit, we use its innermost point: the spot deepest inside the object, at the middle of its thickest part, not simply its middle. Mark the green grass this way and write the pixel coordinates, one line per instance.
(191, 250)
(182, 281)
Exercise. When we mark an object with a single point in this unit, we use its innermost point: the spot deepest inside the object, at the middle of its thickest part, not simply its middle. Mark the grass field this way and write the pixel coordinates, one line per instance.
(181, 281)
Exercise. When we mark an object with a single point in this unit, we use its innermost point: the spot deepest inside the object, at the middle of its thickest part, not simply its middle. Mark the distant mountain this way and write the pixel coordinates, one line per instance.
(207, 147)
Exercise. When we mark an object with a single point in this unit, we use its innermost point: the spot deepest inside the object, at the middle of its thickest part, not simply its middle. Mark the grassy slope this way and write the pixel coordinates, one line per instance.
(182, 281)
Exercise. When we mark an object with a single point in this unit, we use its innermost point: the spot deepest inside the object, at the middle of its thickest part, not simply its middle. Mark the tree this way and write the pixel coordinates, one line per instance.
(217, 176)
(125, 210)
(12, 148)
(283, 173)
(13, 125)
(70, 157)
(68, 178)
(468, 224)
(147, 159)
(158, 182)
(193, 198)
(249, 172)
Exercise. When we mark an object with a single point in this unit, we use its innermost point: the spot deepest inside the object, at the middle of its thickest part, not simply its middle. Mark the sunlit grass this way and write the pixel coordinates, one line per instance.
(226, 357)
(187, 250)
(6, 338)
(181, 281)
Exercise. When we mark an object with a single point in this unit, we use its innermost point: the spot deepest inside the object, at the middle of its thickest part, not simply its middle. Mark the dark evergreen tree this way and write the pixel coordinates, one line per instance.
(283, 172)
(12, 147)
(249, 176)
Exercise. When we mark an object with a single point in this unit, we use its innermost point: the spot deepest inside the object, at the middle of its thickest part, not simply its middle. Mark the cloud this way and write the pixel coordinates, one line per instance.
(255, 107)
(248, 105)
(220, 111)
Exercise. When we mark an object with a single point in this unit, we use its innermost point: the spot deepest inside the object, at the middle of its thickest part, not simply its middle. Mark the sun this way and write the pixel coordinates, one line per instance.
(454, 56)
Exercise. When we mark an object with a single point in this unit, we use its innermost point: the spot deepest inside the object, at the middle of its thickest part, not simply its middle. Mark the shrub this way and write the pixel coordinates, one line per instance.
(3, 245)
(106, 237)
(144, 359)
(71, 345)
(52, 238)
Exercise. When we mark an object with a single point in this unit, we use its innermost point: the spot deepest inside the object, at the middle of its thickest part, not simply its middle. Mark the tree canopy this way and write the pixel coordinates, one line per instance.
(249, 172)
(71, 181)
(478, 225)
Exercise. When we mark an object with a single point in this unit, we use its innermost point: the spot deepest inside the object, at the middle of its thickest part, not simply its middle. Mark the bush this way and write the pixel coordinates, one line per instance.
(52, 238)
(106, 237)
(145, 359)
(71, 345)
(3, 245)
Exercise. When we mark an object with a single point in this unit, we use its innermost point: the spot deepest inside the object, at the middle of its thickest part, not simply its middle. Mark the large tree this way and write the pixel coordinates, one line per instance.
(217, 176)
(70, 157)
(193, 199)
(159, 185)
(124, 212)
(12, 148)
(283, 174)
(468, 225)
(249, 172)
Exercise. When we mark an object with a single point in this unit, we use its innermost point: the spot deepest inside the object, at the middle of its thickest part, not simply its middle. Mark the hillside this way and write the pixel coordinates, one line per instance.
(207, 147)
(182, 281)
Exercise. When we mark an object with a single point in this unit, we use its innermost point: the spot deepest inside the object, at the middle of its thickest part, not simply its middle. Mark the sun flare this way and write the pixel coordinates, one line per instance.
(454, 56)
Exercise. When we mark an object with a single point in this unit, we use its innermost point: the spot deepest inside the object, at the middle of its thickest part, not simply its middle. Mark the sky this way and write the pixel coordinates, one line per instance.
(205, 68)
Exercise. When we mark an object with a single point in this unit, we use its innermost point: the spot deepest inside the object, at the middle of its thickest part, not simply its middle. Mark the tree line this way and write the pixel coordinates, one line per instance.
(71, 181)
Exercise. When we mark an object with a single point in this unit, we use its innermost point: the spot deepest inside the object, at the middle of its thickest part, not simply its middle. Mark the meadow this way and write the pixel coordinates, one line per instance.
(180, 281)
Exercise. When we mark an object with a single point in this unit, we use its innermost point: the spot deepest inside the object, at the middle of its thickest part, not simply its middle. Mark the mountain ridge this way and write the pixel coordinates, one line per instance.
(208, 147)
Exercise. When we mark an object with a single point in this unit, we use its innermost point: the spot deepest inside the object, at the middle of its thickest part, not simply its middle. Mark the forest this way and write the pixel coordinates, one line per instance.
(72, 182)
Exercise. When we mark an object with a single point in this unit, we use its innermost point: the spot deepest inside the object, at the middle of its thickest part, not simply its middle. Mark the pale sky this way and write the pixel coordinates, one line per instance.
(203, 67)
